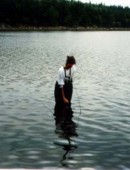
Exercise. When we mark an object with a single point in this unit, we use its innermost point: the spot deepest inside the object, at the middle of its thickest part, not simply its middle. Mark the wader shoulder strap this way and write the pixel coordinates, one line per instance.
(70, 72)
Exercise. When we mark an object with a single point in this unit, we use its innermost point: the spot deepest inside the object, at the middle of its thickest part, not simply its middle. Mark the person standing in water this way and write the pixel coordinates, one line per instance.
(64, 84)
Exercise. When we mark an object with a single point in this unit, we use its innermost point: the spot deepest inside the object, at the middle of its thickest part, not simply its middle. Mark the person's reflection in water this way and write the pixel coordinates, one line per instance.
(65, 128)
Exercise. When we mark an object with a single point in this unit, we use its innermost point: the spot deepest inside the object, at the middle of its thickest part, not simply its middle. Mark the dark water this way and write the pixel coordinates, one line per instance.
(97, 134)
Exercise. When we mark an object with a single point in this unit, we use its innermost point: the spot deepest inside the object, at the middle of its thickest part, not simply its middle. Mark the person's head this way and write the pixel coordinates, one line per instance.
(70, 61)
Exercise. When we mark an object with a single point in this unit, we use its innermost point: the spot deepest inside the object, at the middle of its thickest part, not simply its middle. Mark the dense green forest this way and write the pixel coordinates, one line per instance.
(66, 13)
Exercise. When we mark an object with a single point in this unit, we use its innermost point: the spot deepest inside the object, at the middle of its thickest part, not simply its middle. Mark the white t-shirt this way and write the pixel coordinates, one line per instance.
(61, 74)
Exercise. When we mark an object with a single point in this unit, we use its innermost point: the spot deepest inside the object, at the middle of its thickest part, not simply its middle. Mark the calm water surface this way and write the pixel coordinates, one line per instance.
(29, 137)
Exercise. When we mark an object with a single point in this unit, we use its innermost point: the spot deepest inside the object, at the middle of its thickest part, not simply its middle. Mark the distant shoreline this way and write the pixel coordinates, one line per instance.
(59, 28)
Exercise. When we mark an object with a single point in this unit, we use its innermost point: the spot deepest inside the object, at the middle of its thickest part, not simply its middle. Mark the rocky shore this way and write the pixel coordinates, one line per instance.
(59, 28)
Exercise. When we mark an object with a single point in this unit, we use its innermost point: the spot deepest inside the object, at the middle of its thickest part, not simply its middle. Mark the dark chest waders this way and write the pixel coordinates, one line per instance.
(68, 89)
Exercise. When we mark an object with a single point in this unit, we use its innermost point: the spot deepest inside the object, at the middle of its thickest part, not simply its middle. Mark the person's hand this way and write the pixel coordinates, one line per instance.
(65, 100)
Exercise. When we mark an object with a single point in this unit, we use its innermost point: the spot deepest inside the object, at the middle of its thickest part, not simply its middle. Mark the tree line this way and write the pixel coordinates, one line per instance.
(68, 13)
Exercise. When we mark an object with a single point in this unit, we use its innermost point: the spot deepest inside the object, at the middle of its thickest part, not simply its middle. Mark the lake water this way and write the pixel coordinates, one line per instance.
(29, 137)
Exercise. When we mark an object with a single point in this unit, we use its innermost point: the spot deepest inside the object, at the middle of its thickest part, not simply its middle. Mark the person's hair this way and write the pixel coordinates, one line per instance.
(70, 60)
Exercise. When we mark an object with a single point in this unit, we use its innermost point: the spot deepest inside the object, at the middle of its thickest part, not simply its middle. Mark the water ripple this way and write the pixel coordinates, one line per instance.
(101, 99)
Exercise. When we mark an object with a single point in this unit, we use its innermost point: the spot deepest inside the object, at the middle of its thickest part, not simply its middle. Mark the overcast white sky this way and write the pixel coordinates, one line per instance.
(123, 3)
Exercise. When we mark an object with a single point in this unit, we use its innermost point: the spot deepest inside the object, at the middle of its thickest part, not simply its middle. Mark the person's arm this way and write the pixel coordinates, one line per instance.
(63, 95)
(61, 84)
